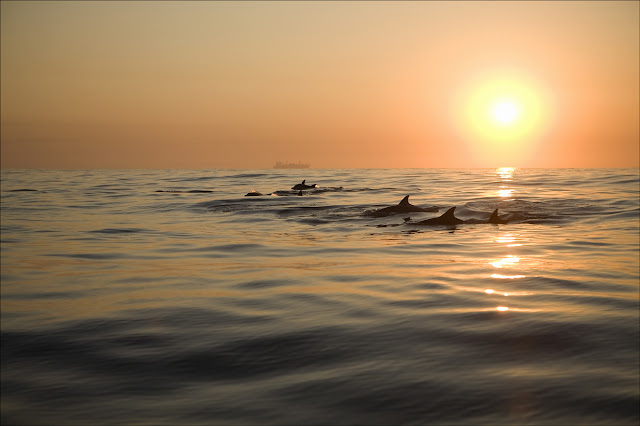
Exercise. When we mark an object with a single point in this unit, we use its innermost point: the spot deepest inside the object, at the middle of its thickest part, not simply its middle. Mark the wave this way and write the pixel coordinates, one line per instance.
(120, 230)
(190, 191)
(123, 305)
(405, 369)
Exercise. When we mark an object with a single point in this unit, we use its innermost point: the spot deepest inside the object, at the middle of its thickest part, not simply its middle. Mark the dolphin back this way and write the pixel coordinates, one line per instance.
(495, 218)
(448, 215)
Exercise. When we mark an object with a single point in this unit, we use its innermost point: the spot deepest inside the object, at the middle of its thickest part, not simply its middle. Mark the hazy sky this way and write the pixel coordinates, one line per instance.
(336, 84)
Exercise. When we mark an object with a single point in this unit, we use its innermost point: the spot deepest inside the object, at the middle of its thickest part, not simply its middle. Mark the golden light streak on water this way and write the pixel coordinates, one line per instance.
(505, 261)
(491, 291)
(506, 277)
(508, 239)
(504, 193)
(505, 173)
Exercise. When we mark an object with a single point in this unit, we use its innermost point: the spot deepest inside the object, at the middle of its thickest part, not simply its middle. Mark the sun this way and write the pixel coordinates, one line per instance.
(501, 111)
(505, 112)
(501, 114)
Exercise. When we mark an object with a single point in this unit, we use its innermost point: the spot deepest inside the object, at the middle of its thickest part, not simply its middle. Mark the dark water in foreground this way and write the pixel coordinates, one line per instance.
(123, 305)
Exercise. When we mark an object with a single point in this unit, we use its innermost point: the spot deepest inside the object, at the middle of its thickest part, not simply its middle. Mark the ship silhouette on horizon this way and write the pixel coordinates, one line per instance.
(298, 165)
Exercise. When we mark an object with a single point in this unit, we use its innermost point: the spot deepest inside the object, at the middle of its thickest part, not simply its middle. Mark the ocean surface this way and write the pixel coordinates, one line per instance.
(200, 305)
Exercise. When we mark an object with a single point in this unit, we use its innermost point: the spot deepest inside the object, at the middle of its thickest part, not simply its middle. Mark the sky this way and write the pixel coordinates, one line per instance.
(381, 84)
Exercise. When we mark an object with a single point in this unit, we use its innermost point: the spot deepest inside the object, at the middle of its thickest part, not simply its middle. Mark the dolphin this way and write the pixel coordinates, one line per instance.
(495, 218)
(403, 206)
(253, 193)
(302, 185)
(446, 219)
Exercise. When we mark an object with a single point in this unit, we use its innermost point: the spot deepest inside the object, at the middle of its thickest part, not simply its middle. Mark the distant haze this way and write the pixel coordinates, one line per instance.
(335, 84)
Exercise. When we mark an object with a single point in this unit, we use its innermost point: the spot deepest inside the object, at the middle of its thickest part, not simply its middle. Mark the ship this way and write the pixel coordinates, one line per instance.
(298, 165)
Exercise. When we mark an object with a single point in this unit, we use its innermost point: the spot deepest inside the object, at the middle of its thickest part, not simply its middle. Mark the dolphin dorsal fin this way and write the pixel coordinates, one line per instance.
(494, 216)
(303, 181)
(449, 213)
(404, 202)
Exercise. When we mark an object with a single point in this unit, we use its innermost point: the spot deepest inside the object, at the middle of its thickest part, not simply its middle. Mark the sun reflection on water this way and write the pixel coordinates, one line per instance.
(506, 277)
(508, 239)
(505, 261)
(491, 291)
(504, 193)
(505, 173)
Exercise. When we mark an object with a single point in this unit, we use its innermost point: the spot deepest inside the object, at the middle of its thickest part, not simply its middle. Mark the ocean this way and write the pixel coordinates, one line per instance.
(169, 297)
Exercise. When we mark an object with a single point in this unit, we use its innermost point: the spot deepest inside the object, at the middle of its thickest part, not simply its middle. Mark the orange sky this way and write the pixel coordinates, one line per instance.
(336, 84)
